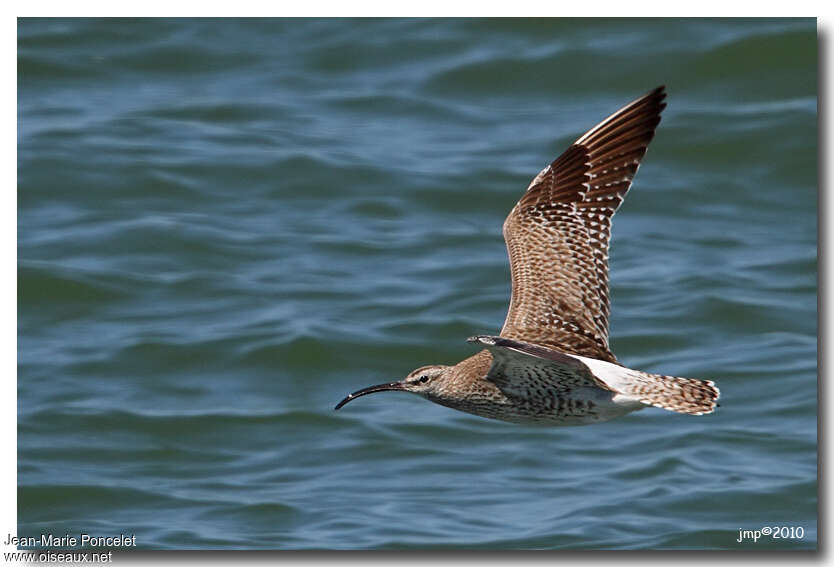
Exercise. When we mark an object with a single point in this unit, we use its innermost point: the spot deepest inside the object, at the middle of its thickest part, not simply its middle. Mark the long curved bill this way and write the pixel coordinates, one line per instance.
(370, 390)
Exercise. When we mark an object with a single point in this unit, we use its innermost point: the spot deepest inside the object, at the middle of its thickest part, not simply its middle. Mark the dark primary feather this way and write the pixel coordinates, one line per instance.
(557, 235)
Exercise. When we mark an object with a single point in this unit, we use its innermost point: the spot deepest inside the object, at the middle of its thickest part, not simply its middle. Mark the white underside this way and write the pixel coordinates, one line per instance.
(616, 377)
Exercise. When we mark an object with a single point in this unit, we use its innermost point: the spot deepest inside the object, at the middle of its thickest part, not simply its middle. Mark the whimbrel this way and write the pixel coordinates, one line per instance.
(551, 362)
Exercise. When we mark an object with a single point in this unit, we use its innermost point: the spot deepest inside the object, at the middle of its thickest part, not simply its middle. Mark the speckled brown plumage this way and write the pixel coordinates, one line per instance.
(557, 234)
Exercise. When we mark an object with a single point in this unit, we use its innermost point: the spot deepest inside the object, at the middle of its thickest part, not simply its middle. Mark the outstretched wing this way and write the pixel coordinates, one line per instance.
(557, 234)
(523, 370)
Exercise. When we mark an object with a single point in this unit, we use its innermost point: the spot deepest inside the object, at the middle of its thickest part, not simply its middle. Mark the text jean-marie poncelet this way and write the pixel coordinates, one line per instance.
(67, 540)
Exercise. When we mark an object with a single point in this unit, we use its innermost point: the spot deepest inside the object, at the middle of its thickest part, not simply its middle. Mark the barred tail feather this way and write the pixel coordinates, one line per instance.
(683, 395)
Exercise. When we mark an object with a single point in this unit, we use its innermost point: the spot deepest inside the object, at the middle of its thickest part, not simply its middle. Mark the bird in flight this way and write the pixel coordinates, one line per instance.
(551, 363)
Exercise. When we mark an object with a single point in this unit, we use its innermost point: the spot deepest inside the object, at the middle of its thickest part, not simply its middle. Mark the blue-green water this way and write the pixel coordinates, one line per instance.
(225, 226)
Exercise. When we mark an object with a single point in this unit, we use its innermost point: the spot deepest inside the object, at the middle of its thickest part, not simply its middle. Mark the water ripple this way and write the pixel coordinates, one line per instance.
(224, 226)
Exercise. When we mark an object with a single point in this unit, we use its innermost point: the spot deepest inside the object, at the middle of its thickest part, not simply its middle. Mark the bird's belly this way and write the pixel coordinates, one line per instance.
(580, 406)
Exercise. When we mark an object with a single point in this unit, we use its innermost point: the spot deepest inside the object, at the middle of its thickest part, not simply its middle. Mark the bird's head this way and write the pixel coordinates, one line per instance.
(425, 381)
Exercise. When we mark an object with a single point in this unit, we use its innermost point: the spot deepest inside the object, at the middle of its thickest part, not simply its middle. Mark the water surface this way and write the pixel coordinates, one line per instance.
(224, 226)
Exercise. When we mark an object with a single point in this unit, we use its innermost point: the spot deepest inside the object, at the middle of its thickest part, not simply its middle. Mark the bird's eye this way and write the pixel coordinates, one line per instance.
(424, 379)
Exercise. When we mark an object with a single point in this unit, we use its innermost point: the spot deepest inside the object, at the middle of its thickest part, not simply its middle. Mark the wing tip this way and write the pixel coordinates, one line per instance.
(658, 93)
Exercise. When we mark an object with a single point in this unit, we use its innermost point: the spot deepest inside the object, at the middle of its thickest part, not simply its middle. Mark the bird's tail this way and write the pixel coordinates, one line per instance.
(683, 395)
